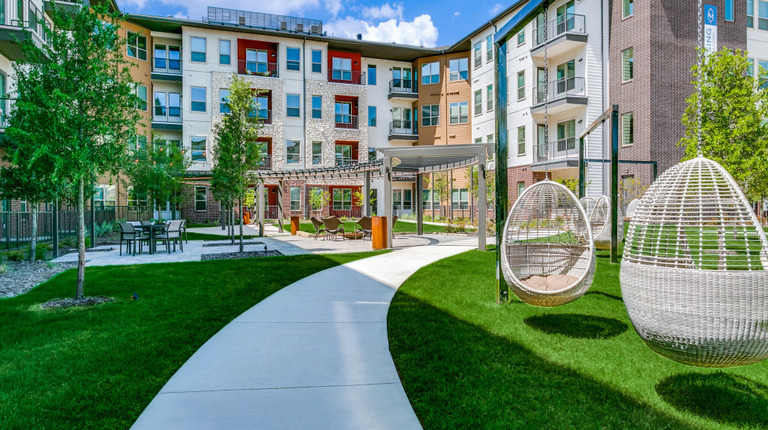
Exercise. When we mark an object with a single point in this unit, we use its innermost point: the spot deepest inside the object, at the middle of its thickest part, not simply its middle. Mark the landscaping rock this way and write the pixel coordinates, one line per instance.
(71, 302)
(21, 276)
(247, 254)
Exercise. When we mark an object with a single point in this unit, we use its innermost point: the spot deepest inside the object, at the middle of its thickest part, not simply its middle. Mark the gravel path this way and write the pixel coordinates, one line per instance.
(21, 276)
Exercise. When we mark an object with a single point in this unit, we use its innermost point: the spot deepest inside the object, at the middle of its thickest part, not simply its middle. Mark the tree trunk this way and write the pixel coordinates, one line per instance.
(241, 225)
(80, 239)
(232, 224)
(33, 240)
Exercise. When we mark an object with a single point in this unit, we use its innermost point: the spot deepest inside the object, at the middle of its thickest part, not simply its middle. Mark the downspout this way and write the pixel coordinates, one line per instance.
(444, 82)
(605, 86)
(304, 114)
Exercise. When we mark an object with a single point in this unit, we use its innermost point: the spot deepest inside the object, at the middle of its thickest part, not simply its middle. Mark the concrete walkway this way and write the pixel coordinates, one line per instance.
(314, 355)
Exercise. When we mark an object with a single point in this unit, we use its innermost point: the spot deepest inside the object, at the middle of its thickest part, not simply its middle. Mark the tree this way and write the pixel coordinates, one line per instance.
(441, 186)
(237, 154)
(471, 174)
(157, 170)
(319, 198)
(75, 101)
(733, 112)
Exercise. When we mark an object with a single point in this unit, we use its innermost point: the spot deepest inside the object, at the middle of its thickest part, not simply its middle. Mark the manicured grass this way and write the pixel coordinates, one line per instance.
(99, 368)
(466, 362)
(206, 236)
(349, 226)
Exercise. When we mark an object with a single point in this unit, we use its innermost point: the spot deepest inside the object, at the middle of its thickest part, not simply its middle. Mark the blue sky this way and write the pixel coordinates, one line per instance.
(427, 23)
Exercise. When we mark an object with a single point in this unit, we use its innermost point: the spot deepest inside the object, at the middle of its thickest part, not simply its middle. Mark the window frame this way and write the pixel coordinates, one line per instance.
(521, 140)
(288, 112)
(627, 9)
(478, 104)
(631, 132)
(454, 76)
(339, 70)
(489, 98)
(728, 10)
(143, 103)
(290, 157)
(228, 54)
(750, 17)
(204, 201)
(319, 64)
(201, 55)
(345, 200)
(433, 119)
(478, 54)
(192, 100)
(627, 61)
(521, 88)
(196, 157)
(135, 45)
(317, 111)
(489, 48)
(292, 64)
(223, 108)
(521, 38)
(317, 157)
(371, 66)
(372, 119)
(292, 200)
(433, 77)
(460, 106)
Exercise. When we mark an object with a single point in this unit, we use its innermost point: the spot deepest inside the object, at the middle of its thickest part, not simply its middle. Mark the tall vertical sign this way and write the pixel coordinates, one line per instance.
(710, 29)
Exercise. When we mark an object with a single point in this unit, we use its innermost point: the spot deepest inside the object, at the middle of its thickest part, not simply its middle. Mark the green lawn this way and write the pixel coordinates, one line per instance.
(349, 226)
(466, 362)
(99, 368)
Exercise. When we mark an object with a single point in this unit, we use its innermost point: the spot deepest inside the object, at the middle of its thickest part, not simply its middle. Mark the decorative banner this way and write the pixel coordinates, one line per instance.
(710, 29)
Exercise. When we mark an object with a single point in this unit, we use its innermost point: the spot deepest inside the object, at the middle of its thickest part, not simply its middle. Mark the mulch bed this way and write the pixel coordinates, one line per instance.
(72, 302)
(247, 254)
(21, 276)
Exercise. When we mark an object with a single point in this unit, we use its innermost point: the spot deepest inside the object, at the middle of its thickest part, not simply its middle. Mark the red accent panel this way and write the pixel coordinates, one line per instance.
(348, 99)
(356, 66)
(243, 44)
(354, 149)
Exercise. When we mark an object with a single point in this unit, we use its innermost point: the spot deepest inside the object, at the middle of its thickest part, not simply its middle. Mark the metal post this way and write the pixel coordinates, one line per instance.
(655, 171)
(450, 194)
(432, 197)
(419, 204)
(93, 222)
(280, 206)
(55, 228)
(502, 140)
(387, 198)
(482, 195)
(367, 194)
(582, 170)
(615, 185)
(261, 208)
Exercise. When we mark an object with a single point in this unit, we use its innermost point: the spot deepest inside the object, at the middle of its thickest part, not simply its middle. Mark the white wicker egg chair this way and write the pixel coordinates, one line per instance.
(631, 208)
(693, 275)
(547, 255)
(588, 203)
(600, 222)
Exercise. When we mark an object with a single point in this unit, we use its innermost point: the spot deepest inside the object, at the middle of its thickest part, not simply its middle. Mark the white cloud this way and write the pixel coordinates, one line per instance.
(385, 11)
(456, 14)
(333, 6)
(498, 7)
(420, 32)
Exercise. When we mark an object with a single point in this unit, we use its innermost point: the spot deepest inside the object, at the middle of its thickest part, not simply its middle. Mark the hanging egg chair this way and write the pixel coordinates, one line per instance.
(588, 203)
(631, 208)
(600, 222)
(547, 255)
(694, 273)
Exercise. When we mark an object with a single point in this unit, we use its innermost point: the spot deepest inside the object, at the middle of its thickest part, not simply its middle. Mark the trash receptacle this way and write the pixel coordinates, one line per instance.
(294, 225)
(379, 232)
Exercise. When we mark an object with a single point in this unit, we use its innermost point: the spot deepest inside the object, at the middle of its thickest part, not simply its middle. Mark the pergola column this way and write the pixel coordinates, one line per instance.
(482, 196)
(280, 206)
(261, 207)
(367, 193)
(419, 210)
(387, 198)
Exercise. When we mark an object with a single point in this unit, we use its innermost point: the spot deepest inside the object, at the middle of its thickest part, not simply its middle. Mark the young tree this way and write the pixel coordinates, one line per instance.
(319, 198)
(237, 154)
(75, 100)
(733, 112)
(157, 170)
(441, 185)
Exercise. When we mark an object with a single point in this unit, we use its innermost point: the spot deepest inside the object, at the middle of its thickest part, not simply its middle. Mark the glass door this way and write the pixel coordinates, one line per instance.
(540, 85)
(541, 151)
(565, 17)
(566, 73)
(566, 137)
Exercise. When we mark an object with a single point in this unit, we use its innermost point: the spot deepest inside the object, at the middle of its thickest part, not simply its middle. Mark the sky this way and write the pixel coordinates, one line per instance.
(426, 23)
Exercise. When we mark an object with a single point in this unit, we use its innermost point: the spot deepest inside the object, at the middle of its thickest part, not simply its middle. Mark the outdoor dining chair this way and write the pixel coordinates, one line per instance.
(130, 235)
(318, 226)
(333, 227)
(365, 226)
(172, 233)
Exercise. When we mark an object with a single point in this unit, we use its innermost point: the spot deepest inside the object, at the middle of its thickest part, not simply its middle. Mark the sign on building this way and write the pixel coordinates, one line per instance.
(710, 29)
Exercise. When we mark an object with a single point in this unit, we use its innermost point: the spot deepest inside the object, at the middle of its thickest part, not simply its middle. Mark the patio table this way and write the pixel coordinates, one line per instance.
(151, 228)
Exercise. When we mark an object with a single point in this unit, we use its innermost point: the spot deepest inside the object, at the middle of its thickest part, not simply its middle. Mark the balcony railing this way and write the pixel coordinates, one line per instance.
(346, 121)
(559, 149)
(167, 67)
(171, 115)
(352, 211)
(345, 76)
(265, 115)
(403, 86)
(254, 68)
(401, 127)
(345, 161)
(266, 162)
(558, 89)
(568, 23)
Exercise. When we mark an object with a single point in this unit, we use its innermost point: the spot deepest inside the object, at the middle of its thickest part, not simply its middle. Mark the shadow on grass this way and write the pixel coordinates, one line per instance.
(577, 326)
(458, 375)
(600, 293)
(729, 399)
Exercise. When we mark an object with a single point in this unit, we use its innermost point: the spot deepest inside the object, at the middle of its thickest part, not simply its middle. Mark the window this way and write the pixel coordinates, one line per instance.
(342, 199)
(293, 152)
(317, 153)
(167, 105)
(478, 54)
(295, 198)
(344, 155)
(762, 72)
(566, 136)
(167, 58)
(225, 51)
(317, 61)
(627, 65)
(627, 129)
(521, 85)
(478, 102)
(141, 93)
(293, 58)
(627, 8)
(317, 107)
(262, 107)
(401, 78)
(3, 102)
(137, 45)
(371, 116)
(137, 199)
(459, 69)
(198, 99)
(430, 115)
(489, 98)
(478, 140)
(430, 73)
(105, 196)
(762, 15)
(521, 38)
(342, 69)
(201, 198)
(459, 113)
(199, 148)
(460, 198)
(293, 104)
(521, 140)
(371, 74)
(489, 48)
(489, 138)
(751, 68)
(344, 118)
(197, 49)
(520, 188)
(729, 10)
(750, 13)
(224, 99)
(401, 119)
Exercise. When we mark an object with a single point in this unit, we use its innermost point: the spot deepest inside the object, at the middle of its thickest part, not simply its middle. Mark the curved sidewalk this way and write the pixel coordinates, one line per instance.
(314, 355)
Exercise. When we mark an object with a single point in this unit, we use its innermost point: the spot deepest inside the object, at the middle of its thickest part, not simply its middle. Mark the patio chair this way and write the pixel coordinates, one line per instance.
(184, 230)
(333, 227)
(146, 223)
(318, 226)
(365, 225)
(172, 233)
(129, 235)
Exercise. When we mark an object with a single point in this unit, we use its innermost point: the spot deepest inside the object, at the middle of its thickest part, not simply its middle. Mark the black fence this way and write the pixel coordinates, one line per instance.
(16, 227)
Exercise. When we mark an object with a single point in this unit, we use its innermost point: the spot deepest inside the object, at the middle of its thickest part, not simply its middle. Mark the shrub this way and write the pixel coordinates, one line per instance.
(16, 255)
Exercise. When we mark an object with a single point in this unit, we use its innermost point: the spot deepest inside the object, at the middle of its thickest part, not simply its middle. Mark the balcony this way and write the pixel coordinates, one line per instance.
(254, 68)
(560, 154)
(167, 118)
(403, 89)
(14, 31)
(69, 7)
(344, 121)
(345, 161)
(266, 162)
(166, 70)
(564, 94)
(403, 130)
(340, 76)
(5, 109)
(566, 32)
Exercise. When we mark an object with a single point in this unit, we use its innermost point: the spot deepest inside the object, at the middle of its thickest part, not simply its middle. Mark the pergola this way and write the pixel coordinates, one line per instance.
(407, 160)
